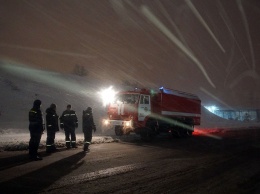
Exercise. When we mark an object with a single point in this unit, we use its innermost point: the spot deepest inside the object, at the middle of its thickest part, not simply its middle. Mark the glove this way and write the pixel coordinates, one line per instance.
(76, 125)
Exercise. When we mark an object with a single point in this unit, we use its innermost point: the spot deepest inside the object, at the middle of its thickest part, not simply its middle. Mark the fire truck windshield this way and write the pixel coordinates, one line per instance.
(127, 98)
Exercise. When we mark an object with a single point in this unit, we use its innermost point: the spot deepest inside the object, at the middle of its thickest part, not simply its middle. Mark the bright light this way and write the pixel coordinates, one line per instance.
(211, 108)
(127, 123)
(107, 95)
(106, 122)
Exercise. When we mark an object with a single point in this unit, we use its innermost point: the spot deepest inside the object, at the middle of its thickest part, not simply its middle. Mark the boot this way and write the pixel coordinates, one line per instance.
(68, 145)
(74, 145)
(85, 148)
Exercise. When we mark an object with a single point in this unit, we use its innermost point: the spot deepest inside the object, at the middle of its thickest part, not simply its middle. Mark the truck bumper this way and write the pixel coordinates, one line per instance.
(124, 124)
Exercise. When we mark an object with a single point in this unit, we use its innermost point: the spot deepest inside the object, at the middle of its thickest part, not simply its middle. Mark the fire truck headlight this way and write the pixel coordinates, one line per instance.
(127, 123)
(106, 122)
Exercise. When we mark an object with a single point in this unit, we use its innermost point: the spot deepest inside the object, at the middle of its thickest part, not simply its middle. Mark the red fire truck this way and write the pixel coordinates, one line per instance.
(148, 113)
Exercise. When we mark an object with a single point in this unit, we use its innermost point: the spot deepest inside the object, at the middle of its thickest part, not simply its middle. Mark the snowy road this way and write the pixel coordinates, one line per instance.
(222, 161)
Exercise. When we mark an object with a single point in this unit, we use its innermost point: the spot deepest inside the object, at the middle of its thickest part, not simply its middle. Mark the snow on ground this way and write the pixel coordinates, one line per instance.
(13, 139)
(17, 139)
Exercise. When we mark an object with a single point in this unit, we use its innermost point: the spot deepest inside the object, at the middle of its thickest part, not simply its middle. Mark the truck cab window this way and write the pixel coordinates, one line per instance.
(144, 99)
(128, 98)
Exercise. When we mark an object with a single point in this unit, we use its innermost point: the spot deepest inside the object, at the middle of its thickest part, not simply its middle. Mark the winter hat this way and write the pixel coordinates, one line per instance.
(89, 109)
(37, 103)
(53, 106)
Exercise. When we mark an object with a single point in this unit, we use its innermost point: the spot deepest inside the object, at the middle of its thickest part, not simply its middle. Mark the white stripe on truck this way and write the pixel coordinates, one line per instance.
(180, 114)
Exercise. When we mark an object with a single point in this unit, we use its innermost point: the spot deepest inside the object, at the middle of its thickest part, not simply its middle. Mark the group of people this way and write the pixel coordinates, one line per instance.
(68, 122)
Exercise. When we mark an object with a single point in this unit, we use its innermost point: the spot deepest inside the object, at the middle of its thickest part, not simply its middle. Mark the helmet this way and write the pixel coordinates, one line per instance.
(37, 103)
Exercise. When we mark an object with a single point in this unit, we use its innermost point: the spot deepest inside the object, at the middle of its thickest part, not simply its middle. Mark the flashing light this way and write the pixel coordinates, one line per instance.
(211, 108)
(107, 95)
(152, 92)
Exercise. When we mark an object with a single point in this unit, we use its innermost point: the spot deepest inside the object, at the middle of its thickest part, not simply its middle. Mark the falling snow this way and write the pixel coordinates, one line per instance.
(210, 48)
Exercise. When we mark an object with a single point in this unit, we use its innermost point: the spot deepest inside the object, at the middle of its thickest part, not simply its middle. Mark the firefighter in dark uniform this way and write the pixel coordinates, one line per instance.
(69, 122)
(88, 126)
(36, 128)
(52, 124)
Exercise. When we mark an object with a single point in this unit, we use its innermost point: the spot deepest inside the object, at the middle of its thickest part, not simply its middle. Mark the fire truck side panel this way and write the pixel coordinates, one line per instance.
(178, 106)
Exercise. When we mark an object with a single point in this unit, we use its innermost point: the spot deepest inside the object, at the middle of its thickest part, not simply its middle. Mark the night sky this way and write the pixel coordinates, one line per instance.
(210, 48)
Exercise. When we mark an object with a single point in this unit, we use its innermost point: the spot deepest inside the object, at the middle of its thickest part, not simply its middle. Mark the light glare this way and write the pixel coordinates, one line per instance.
(107, 95)
(211, 108)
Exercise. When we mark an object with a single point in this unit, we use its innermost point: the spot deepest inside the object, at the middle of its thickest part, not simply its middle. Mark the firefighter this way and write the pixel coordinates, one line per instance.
(69, 122)
(52, 127)
(36, 128)
(88, 126)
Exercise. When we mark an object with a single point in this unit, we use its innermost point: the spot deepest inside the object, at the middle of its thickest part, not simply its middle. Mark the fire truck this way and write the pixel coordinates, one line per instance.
(149, 112)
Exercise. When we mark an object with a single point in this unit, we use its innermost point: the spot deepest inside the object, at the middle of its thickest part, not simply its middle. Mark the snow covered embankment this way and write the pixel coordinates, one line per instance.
(14, 140)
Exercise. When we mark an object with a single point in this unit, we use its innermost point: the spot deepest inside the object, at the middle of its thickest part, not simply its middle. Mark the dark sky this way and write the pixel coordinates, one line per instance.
(210, 48)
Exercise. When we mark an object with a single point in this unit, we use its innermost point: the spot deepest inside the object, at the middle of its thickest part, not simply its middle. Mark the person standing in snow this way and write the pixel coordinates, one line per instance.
(36, 128)
(52, 124)
(69, 122)
(88, 126)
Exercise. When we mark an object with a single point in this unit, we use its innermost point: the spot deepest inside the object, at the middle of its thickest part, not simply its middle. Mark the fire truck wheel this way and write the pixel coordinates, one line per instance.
(145, 134)
(127, 133)
(149, 132)
(190, 131)
(176, 133)
(119, 130)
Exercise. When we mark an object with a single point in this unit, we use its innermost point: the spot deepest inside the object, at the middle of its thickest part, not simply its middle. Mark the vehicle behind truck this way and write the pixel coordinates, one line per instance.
(149, 113)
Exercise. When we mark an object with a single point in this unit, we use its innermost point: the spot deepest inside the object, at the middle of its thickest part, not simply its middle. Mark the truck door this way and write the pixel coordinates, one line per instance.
(144, 107)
